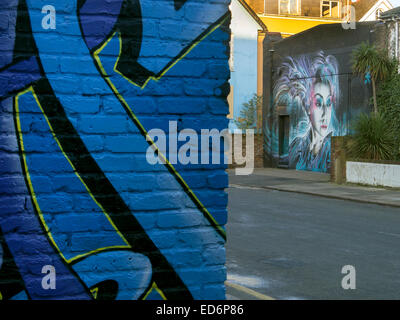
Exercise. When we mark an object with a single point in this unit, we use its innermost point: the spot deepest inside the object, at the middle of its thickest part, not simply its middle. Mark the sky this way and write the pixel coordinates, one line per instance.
(395, 3)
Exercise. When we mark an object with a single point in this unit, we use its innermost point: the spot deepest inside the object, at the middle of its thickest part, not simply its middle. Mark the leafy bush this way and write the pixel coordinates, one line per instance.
(248, 114)
(373, 138)
(388, 98)
(378, 137)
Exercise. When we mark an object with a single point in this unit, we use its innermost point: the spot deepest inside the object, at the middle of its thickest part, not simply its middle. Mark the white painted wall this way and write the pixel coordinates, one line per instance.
(374, 174)
(243, 60)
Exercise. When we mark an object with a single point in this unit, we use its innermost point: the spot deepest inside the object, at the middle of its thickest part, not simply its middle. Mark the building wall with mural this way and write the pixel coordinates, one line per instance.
(83, 214)
(312, 94)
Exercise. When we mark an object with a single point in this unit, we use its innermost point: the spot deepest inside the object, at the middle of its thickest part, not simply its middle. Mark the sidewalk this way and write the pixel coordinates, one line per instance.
(313, 183)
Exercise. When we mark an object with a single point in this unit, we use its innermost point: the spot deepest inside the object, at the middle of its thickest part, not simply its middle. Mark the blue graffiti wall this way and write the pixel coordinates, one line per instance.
(82, 84)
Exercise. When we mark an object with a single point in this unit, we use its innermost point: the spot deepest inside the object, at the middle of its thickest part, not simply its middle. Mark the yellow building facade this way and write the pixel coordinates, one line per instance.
(289, 17)
(290, 25)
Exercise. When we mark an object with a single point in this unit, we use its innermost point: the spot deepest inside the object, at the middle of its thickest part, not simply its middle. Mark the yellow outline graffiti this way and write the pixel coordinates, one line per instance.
(148, 138)
(36, 204)
(94, 292)
(155, 287)
(156, 78)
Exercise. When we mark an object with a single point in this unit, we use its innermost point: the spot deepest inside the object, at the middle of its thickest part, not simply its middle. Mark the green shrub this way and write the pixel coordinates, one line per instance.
(373, 138)
(388, 98)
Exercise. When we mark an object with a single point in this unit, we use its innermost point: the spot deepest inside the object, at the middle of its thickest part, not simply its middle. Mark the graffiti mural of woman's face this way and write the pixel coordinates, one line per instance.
(321, 108)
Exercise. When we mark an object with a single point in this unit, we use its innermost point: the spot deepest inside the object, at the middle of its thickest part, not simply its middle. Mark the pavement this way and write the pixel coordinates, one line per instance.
(314, 183)
(290, 233)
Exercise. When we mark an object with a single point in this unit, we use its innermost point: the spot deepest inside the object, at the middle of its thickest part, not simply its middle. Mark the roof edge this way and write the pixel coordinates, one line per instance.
(254, 15)
(395, 12)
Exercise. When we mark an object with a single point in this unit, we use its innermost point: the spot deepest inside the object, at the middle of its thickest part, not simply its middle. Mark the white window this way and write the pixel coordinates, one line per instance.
(330, 9)
(289, 7)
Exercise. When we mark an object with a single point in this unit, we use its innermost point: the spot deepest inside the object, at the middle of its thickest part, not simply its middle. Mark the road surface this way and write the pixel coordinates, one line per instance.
(293, 246)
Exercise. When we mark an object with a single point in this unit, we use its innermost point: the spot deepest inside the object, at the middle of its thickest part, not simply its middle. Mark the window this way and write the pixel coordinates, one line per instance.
(289, 7)
(330, 9)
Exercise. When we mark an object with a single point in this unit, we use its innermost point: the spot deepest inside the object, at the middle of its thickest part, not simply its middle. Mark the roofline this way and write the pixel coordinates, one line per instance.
(387, 15)
(326, 25)
(254, 15)
(302, 18)
(374, 7)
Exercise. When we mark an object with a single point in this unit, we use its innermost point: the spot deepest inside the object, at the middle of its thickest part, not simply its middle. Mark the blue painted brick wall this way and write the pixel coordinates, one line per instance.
(76, 190)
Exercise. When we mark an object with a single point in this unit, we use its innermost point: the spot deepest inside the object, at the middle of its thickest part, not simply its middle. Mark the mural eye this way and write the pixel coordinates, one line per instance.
(329, 102)
(318, 102)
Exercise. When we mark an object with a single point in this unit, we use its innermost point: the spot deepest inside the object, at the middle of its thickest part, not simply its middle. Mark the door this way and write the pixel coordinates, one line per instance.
(284, 141)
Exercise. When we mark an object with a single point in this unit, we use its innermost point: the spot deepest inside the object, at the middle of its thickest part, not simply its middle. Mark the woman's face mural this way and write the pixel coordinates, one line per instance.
(308, 86)
(321, 108)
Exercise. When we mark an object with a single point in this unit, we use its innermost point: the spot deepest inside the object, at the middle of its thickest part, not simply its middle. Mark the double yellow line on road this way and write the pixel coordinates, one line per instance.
(248, 291)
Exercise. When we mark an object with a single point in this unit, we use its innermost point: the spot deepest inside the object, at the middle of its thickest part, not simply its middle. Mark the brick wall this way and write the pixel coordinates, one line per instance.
(257, 157)
(338, 159)
(83, 214)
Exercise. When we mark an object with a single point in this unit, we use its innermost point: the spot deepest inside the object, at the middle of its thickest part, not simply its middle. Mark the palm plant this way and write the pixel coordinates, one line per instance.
(371, 62)
(373, 138)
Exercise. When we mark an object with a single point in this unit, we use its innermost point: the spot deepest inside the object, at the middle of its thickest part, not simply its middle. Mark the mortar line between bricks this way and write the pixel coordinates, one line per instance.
(395, 205)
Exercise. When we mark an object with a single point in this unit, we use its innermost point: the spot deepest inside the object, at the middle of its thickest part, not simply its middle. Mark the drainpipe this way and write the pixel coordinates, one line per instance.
(270, 102)
(265, 7)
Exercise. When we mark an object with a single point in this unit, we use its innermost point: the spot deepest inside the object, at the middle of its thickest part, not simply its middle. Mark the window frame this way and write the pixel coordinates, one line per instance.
(339, 3)
(298, 8)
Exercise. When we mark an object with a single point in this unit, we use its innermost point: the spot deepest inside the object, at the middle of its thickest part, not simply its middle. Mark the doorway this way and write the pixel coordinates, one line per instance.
(283, 141)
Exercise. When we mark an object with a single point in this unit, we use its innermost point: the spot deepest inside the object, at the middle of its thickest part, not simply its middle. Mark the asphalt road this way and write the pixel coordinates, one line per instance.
(293, 246)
